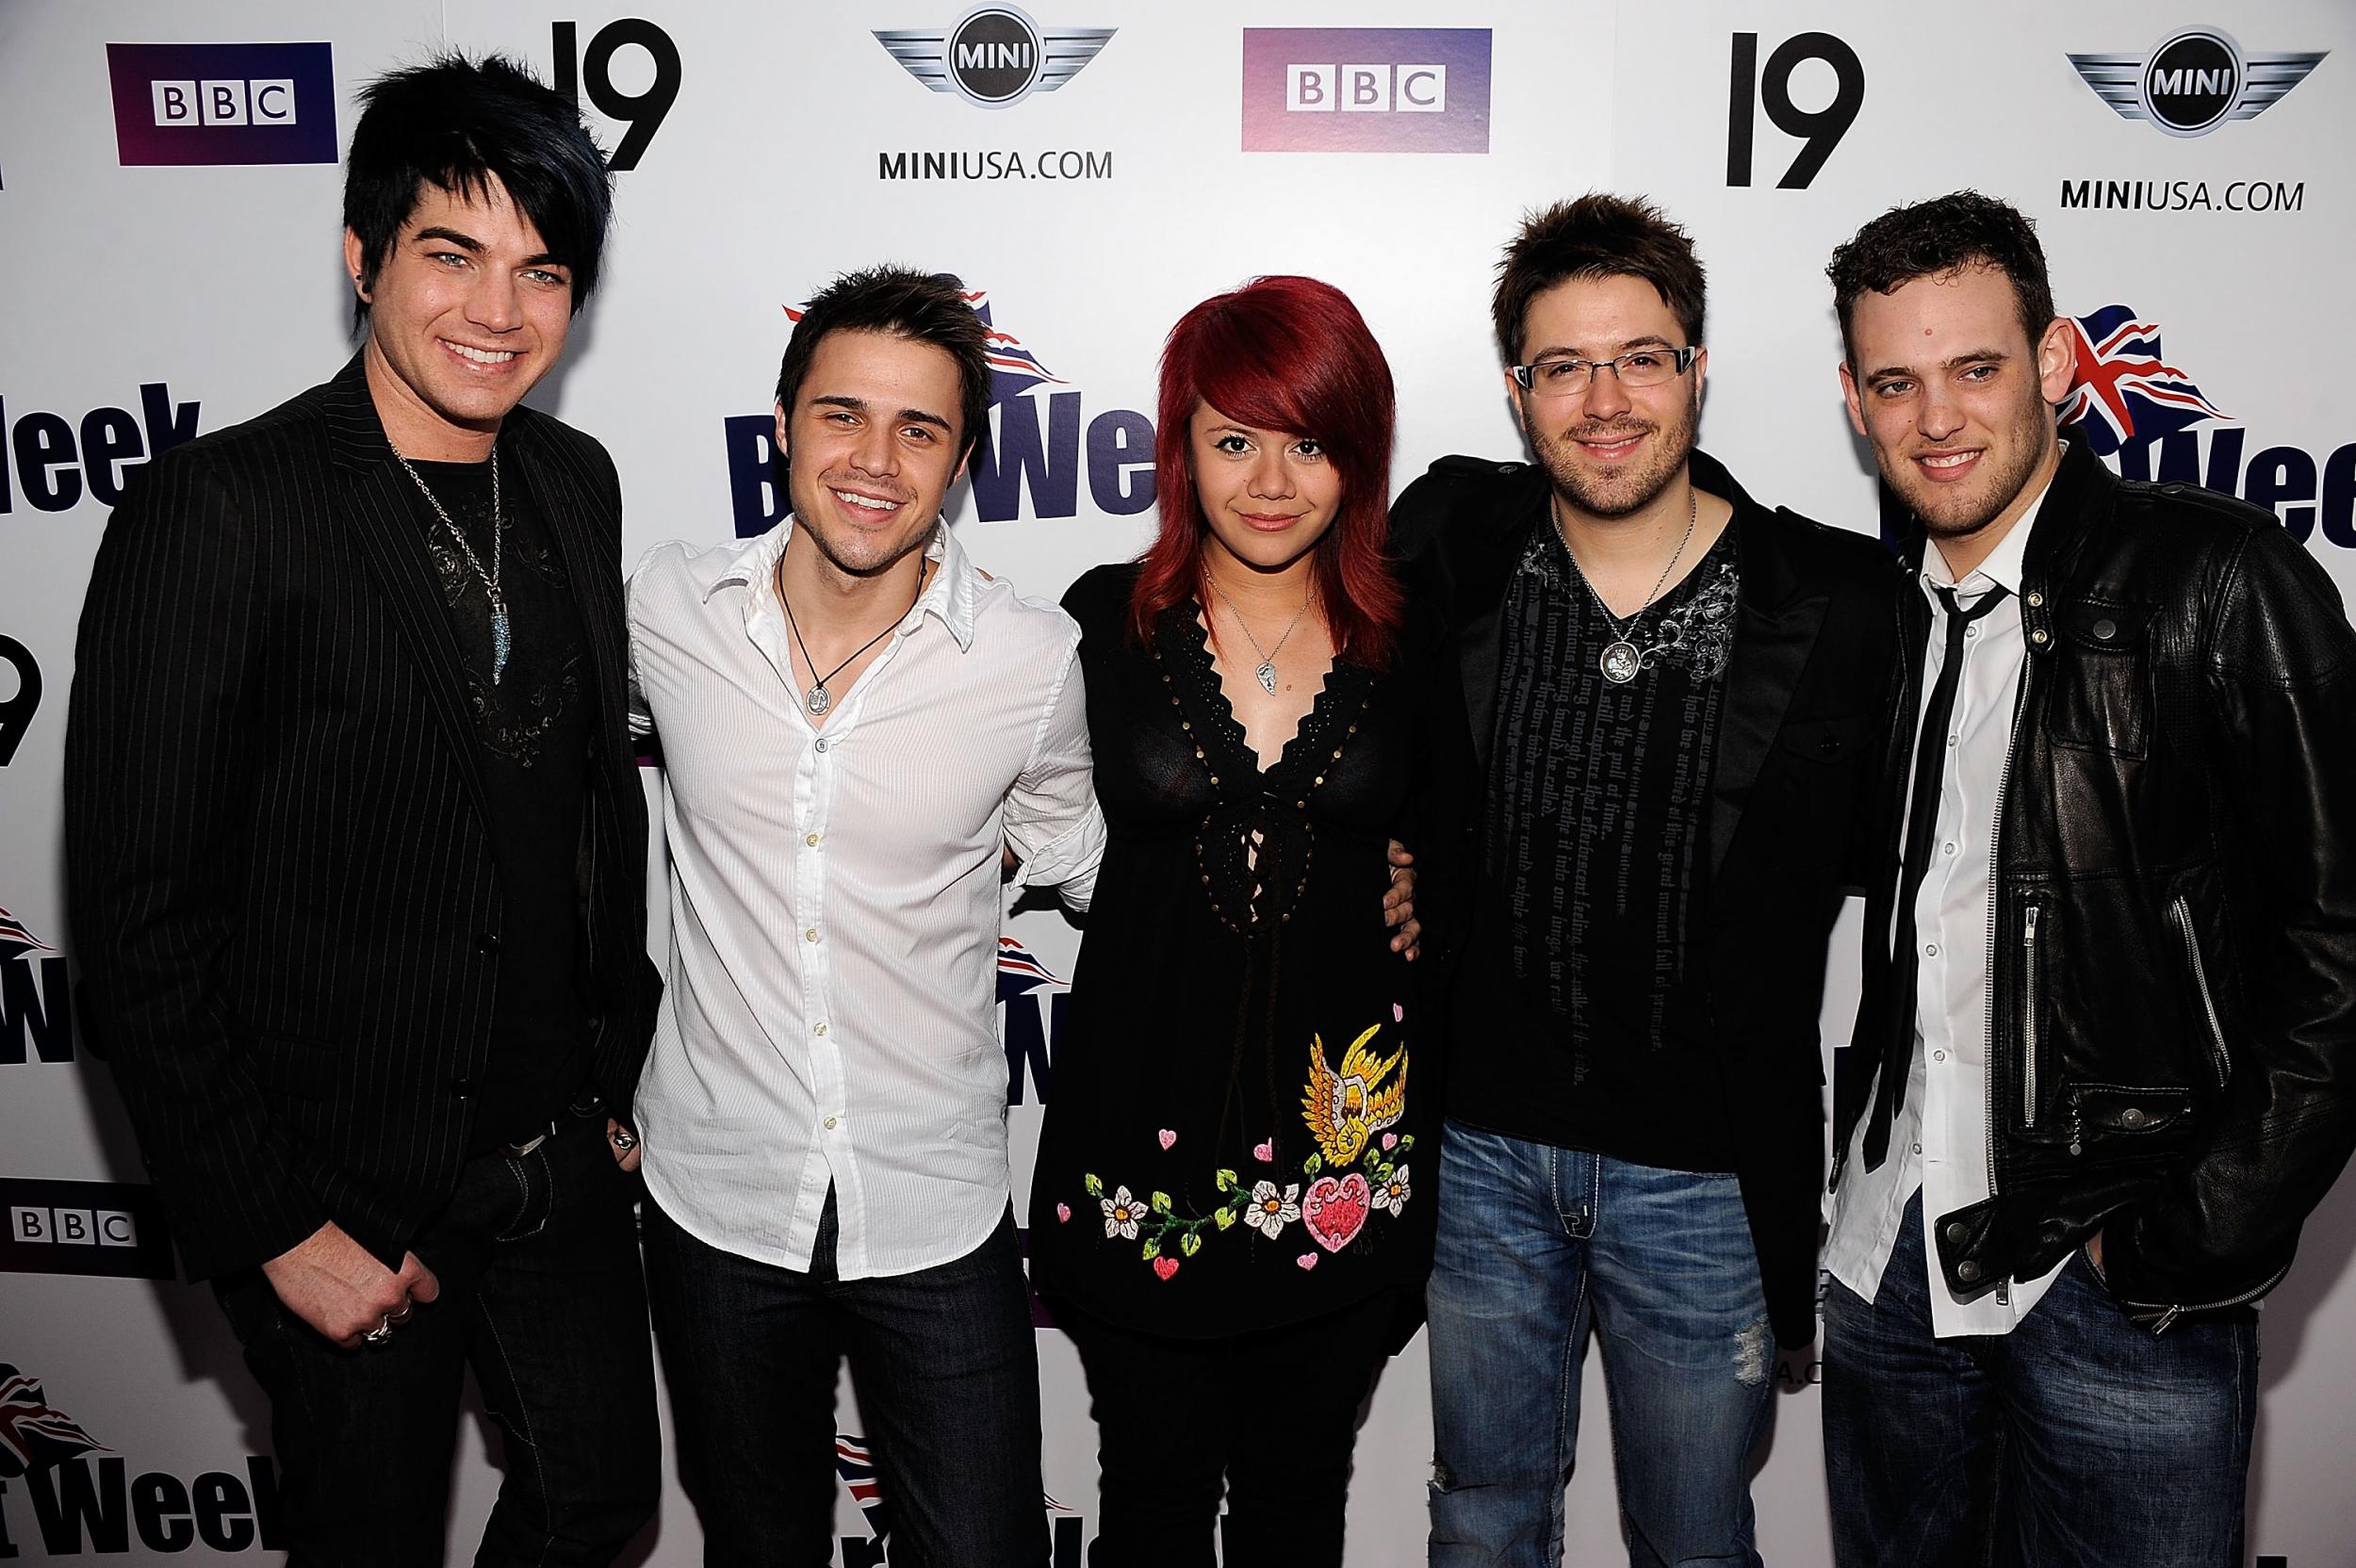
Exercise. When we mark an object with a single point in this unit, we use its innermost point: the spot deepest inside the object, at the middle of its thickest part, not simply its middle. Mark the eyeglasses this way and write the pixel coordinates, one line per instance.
(1564, 376)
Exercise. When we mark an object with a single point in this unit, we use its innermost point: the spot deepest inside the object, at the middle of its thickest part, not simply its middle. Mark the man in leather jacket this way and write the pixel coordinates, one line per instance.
(2111, 953)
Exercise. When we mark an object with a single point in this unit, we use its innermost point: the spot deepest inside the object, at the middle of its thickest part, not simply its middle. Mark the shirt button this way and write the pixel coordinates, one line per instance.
(811, 840)
(819, 1029)
(1948, 847)
(1930, 950)
(822, 746)
(1939, 1055)
(1972, 630)
(810, 935)
(1918, 1149)
(829, 1124)
(1953, 739)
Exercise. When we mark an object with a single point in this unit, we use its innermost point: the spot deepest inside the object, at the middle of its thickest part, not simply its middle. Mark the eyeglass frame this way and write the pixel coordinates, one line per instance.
(1525, 376)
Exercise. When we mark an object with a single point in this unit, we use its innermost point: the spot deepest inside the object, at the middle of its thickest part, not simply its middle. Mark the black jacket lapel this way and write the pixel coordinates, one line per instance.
(380, 509)
(1774, 634)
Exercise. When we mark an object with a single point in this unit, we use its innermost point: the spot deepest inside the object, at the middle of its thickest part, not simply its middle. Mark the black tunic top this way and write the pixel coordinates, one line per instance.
(1246, 1091)
(533, 723)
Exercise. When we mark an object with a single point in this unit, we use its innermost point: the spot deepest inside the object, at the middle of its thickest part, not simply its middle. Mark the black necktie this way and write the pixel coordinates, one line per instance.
(1930, 778)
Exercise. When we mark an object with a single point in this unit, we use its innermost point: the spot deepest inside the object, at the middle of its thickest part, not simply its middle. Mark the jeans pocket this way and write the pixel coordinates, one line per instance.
(534, 1176)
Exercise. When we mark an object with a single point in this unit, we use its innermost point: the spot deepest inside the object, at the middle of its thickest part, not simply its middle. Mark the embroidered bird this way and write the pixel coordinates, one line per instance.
(1345, 1108)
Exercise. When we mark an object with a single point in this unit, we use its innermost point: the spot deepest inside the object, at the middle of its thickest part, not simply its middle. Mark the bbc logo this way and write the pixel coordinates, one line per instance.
(74, 1226)
(184, 104)
(1366, 89)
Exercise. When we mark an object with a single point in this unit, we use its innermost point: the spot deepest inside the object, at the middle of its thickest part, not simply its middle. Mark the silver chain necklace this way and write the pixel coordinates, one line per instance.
(502, 640)
(819, 698)
(1621, 659)
(1264, 672)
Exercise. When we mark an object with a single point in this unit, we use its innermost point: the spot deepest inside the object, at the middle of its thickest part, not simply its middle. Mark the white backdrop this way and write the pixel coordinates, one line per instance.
(157, 282)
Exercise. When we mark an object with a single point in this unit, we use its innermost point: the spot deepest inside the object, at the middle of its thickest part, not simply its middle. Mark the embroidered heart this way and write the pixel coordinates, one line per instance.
(1165, 1266)
(1334, 1212)
(1307, 1261)
(1063, 1212)
(1263, 1153)
(1390, 1141)
(1399, 1014)
(1167, 1138)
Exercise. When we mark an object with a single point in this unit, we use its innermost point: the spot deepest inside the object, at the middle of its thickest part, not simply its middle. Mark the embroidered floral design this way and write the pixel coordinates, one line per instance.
(1120, 1215)
(1348, 1106)
(1271, 1211)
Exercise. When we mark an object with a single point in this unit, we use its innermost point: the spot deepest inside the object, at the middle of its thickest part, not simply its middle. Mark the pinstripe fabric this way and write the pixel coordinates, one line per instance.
(835, 905)
(283, 896)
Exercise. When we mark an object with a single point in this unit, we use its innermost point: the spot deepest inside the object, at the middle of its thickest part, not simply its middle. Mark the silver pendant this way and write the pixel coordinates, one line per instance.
(1266, 673)
(1620, 662)
(503, 641)
(818, 699)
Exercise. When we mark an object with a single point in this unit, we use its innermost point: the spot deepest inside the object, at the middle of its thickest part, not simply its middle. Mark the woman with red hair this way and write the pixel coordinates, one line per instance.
(1225, 1213)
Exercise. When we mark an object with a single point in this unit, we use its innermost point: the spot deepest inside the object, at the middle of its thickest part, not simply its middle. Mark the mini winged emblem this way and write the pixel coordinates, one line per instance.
(2193, 81)
(995, 55)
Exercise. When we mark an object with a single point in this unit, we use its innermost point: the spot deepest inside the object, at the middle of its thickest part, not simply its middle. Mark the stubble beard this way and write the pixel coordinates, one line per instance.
(1623, 494)
(1961, 516)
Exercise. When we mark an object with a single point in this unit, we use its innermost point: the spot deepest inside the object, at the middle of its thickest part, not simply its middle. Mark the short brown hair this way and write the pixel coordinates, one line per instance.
(1933, 239)
(1597, 236)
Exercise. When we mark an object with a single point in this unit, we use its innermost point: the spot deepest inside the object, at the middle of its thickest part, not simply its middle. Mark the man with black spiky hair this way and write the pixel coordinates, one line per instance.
(355, 857)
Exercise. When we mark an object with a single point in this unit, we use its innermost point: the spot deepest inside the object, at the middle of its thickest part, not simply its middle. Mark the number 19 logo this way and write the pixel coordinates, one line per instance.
(1820, 130)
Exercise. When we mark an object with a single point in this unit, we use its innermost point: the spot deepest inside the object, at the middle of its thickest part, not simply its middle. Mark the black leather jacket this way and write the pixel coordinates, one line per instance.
(2173, 1000)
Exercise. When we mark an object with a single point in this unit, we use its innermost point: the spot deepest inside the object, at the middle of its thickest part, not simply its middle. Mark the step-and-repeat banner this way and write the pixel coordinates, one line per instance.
(168, 263)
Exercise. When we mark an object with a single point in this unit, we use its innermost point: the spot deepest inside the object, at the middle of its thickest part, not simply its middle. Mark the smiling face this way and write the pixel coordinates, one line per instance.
(466, 313)
(1267, 496)
(872, 445)
(1609, 448)
(1956, 402)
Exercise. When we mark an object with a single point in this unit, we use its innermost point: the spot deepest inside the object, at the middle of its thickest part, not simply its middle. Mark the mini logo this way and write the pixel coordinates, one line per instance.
(2124, 390)
(1365, 90)
(99, 1228)
(179, 103)
(35, 1436)
(995, 55)
(2194, 81)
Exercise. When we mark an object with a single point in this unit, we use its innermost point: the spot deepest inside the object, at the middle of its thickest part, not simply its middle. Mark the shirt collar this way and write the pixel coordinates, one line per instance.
(950, 596)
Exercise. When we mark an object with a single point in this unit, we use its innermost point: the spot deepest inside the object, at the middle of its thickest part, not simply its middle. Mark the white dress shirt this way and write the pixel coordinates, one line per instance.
(1938, 1140)
(836, 903)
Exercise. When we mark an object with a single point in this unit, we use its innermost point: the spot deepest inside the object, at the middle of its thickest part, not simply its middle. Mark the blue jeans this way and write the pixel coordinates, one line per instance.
(945, 1363)
(2076, 1438)
(542, 1300)
(1535, 1240)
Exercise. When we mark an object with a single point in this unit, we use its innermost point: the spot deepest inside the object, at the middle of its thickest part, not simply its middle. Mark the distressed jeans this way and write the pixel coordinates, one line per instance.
(1535, 1242)
(2076, 1438)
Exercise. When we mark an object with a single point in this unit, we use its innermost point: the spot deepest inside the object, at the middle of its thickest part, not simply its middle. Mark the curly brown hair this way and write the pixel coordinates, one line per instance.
(1933, 239)
(1599, 235)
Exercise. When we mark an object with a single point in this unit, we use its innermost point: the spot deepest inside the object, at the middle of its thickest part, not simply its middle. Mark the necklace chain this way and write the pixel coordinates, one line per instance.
(1621, 659)
(818, 699)
(1264, 672)
(503, 641)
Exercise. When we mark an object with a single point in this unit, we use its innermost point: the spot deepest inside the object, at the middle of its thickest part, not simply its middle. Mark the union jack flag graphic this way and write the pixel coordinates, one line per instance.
(34, 1435)
(1019, 971)
(856, 1468)
(2125, 390)
(15, 941)
(1012, 368)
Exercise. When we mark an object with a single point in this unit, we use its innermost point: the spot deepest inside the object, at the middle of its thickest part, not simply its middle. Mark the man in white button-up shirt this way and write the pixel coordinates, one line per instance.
(856, 724)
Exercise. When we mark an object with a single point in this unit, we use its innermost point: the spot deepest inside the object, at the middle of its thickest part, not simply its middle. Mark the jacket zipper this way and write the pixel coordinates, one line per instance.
(2168, 1318)
(2182, 911)
(2028, 1018)
(1995, 881)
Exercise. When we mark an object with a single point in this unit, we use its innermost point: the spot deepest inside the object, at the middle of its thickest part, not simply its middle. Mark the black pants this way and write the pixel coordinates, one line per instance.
(945, 1365)
(1272, 1413)
(542, 1297)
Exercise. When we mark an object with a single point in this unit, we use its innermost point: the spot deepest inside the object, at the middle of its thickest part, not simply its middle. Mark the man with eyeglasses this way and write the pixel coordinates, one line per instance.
(1674, 692)
(2101, 1073)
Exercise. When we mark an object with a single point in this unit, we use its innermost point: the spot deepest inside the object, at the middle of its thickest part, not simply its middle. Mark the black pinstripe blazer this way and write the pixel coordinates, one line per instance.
(282, 888)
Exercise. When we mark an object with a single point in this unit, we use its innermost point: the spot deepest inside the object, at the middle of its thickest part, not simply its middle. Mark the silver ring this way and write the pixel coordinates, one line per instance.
(381, 1332)
(623, 1139)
